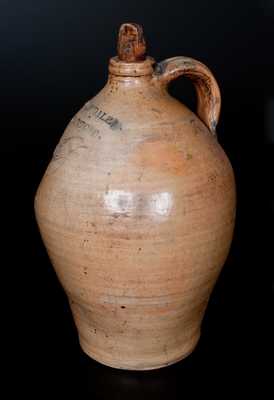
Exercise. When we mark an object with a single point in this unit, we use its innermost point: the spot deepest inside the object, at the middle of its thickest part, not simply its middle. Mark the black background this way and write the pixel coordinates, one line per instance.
(54, 57)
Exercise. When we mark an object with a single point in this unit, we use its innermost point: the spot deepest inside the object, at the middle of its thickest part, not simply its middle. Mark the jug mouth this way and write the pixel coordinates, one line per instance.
(137, 68)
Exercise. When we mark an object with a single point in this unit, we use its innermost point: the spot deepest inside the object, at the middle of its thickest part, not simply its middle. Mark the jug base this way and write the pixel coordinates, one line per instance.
(130, 365)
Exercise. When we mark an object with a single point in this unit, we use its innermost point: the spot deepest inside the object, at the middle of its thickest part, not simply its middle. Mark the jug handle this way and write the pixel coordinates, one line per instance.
(207, 89)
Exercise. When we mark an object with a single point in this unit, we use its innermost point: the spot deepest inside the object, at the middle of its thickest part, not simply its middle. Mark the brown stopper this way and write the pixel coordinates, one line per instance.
(131, 43)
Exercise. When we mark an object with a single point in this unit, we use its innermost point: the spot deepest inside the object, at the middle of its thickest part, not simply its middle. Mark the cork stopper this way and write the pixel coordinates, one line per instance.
(131, 43)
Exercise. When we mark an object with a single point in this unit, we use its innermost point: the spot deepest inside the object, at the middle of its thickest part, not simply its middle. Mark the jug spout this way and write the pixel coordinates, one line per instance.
(131, 45)
(131, 59)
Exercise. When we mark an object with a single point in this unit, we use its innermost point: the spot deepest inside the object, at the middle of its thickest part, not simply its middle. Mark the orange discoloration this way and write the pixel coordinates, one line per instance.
(162, 156)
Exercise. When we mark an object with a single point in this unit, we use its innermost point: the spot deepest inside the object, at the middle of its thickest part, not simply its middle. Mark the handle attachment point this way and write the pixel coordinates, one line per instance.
(207, 89)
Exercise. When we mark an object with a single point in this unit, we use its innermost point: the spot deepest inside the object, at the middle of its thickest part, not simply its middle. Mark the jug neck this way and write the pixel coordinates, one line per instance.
(118, 68)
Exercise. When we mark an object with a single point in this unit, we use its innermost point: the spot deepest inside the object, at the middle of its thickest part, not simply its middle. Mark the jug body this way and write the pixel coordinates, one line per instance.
(136, 210)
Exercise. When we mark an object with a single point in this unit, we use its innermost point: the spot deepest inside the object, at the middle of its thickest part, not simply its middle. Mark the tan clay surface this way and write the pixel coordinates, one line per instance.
(136, 210)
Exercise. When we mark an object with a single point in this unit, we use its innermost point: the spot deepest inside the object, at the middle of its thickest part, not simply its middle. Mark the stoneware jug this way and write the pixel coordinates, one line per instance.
(137, 209)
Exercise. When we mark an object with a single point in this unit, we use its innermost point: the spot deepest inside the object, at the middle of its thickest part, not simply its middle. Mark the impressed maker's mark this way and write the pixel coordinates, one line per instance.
(99, 114)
